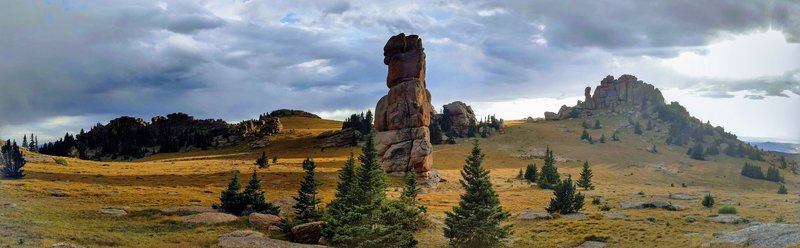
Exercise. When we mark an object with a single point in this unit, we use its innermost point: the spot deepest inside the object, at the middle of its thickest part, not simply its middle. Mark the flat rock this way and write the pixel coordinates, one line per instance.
(308, 233)
(263, 221)
(195, 209)
(113, 211)
(65, 245)
(614, 216)
(249, 238)
(728, 219)
(629, 205)
(9, 205)
(531, 215)
(763, 235)
(209, 218)
(56, 192)
(680, 196)
(592, 244)
(575, 216)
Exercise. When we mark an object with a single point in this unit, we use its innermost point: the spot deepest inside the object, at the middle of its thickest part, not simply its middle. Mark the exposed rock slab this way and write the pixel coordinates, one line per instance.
(209, 218)
(654, 204)
(113, 211)
(531, 215)
(65, 245)
(613, 216)
(263, 221)
(763, 235)
(680, 196)
(729, 219)
(194, 209)
(249, 238)
(592, 244)
(308, 233)
(575, 216)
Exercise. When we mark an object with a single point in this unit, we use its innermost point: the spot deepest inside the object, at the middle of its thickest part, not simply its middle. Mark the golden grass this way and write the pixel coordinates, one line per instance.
(196, 178)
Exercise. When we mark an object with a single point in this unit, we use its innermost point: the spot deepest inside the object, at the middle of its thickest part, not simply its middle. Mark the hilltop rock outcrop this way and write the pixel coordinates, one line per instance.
(627, 89)
(402, 117)
(292, 112)
(459, 115)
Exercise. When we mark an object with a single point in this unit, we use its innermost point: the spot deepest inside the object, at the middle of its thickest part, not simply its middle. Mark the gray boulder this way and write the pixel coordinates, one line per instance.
(763, 235)
(531, 215)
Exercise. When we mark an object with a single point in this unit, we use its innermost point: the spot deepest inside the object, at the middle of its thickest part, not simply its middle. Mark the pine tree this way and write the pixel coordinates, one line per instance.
(566, 200)
(436, 132)
(548, 178)
(597, 124)
(585, 181)
(451, 137)
(698, 152)
(411, 189)
(25, 140)
(614, 137)
(340, 209)
(637, 129)
(12, 160)
(254, 199)
(231, 201)
(520, 175)
(603, 138)
(306, 207)
(708, 201)
(585, 135)
(472, 131)
(476, 221)
(262, 161)
(782, 190)
(531, 173)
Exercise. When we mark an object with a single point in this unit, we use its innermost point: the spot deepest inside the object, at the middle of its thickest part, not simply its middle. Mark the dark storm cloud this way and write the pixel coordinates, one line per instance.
(235, 59)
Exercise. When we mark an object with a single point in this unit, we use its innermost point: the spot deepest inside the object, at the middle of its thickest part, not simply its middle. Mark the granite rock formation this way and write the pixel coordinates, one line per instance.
(459, 115)
(627, 89)
(402, 117)
(340, 138)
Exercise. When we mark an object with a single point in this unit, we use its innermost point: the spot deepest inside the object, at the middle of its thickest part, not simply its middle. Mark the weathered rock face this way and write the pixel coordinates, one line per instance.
(292, 112)
(340, 138)
(627, 89)
(460, 116)
(402, 117)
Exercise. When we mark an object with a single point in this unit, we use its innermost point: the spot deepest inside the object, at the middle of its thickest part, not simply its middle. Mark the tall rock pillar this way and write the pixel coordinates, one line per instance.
(402, 117)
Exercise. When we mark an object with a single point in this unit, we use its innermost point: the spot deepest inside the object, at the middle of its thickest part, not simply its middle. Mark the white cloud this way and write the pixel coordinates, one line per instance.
(491, 12)
(320, 66)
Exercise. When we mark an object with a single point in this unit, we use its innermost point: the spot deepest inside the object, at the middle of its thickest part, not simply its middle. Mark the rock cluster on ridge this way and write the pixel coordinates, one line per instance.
(403, 115)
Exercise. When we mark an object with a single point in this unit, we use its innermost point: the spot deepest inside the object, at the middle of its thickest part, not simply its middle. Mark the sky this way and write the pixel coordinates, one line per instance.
(70, 64)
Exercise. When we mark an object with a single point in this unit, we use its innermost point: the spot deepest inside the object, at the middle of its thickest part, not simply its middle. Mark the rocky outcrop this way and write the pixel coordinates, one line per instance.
(263, 221)
(292, 112)
(340, 138)
(402, 117)
(550, 116)
(763, 235)
(459, 115)
(627, 89)
(250, 238)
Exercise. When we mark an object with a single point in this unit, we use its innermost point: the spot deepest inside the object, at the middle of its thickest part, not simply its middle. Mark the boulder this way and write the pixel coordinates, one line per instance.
(263, 221)
(193, 209)
(460, 115)
(308, 233)
(249, 238)
(549, 116)
(531, 215)
(763, 235)
(613, 216)
(209, 218)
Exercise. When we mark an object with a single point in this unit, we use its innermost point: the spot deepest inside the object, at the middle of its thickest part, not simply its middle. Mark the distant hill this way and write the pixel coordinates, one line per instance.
(129, 137)
(644, 106)
(778, 147)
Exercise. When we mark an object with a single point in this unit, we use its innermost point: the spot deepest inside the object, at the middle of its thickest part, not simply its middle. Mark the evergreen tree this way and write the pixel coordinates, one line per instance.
(472, 131)
(773, 174)
(451, 137)
(654, 150)
(231, 201)
(566, 200)
(548, 178)
(603, 138)
(637, 129)
(697, 152)
(436, 132)
(364, 218)
(752, 171)
(411, 190)
(585, 181)
(614, 137)
(254, 199)
(585, 135)
(25, 140)
(306, 207)
(520, 175)
(12, 160)
(340, 209)
(476, 221)
(782, 190)
(649, 125)
(262, 161)
(585, 125)
(531, 173)
(708, 201)
(368, 122)
(597, 124)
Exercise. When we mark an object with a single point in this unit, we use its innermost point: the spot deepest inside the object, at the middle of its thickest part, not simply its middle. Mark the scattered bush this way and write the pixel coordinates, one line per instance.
(782, 190)
(727, 209)
(605, 207)
(780, 219)
(708, 201)
(61, 161)
(596, 201)
(566, 200)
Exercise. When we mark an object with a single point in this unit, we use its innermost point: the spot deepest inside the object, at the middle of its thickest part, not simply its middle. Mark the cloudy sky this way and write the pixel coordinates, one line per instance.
(65, 65)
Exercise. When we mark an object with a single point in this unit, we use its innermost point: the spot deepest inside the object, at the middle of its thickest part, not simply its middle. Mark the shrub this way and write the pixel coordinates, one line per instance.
(605, 207)
(596, 201)
(708, 201)
(780, 219)
(61, 161)
(782, 190)
(727, 209)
